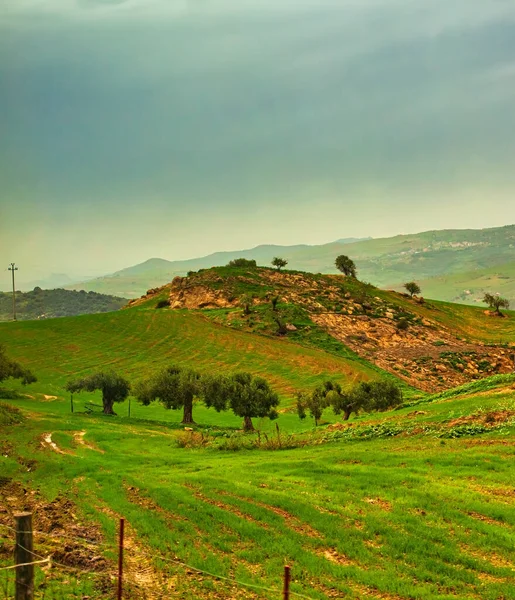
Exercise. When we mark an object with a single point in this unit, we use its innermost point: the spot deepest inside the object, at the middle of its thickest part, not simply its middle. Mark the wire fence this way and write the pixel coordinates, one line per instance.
(48, 573)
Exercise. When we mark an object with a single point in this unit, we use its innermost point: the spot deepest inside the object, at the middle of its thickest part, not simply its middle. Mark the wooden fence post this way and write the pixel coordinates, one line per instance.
(286, 590)
(120, 560)
(23, 554)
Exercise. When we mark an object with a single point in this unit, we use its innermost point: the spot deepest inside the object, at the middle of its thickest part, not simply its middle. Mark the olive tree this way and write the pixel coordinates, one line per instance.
(279, 262)
(10, 369)
(114, 387)
(345, 265)
(369, 396)
(175, 387)
(496, 302)
(315, 403)
(412, 288)
(249, 397)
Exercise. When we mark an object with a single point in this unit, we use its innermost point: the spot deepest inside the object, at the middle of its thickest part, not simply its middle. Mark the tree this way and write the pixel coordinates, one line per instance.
(279, 262)
(370, 396)
(496, 302)
(315, 403)
(114, 388)
(175, 387)
(412, 287)
(246, 301)
(242, 262)
(381, 395)
(345, 265)
(344, 401)
(11, 369)
(216, 390)
(250, 397)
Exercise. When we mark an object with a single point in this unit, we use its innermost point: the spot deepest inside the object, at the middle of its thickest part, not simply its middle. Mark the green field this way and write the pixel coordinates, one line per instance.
(402, 510)
(416, 503)
(137, 342)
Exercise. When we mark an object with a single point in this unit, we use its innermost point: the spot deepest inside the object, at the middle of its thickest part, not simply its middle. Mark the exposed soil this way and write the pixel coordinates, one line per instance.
(78, 437)
(491, 418)
(384, 504)
(47, 442)
(58, 530)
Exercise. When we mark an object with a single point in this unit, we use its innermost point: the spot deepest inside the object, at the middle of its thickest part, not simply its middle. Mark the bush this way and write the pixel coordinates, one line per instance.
(402, 324)
(9, 415)
(242, 262)
(163, 303)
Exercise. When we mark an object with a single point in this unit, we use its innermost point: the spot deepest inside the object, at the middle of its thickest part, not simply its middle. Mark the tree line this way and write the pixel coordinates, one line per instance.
(247, 396)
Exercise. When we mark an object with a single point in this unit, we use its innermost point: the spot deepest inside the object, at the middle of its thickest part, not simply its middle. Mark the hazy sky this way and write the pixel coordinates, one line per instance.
(174, 128)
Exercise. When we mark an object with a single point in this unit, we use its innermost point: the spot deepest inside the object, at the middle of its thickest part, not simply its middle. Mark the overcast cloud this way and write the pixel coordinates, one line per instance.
(143, 128)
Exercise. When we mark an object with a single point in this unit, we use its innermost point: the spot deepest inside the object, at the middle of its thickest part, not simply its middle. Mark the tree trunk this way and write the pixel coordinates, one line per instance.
(108, 406)
(247, 424)
(346, 414)
(187, 416)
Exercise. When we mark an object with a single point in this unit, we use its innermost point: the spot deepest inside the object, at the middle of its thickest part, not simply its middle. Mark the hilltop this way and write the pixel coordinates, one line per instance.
(385, 262)
(48, 304)
(428, 344)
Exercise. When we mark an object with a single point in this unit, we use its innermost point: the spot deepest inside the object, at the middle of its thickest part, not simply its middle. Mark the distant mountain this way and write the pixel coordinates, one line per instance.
(384, 262)
(47, 304)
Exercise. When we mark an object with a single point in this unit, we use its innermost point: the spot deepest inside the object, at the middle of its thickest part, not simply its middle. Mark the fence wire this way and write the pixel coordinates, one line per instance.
(54, 580)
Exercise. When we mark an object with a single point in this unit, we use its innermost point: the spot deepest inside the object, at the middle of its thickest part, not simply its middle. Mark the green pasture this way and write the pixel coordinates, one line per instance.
(406, 517)
(137, 342)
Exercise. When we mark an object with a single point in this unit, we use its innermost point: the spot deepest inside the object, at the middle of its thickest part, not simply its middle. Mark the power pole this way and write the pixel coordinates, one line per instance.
(13, 269)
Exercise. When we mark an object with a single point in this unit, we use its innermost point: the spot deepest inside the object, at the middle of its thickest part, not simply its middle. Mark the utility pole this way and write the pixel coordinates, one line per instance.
(13, 268)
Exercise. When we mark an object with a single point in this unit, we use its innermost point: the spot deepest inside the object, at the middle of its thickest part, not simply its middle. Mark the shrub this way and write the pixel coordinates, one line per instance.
(163, 303)
(242, 262)
(402, 324)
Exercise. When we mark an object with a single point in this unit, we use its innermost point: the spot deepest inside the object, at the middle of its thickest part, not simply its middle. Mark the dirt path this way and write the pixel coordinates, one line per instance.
(47, 442)
(78, 437)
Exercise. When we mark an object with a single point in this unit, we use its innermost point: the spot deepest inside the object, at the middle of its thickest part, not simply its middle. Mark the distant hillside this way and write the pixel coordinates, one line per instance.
(470, 287)
(47, 304)
(384, 262)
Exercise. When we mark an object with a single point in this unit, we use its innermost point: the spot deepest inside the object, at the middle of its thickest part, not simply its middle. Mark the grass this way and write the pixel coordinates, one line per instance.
(406, 517)
(139, 341)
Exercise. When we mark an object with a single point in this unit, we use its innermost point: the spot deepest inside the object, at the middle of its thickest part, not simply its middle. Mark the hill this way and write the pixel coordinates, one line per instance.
(384, 262)
(430, 345)
(47, 304)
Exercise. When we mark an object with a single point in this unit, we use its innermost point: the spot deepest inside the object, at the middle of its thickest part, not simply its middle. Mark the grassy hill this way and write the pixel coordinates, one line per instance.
(384, 262)
(47, 304)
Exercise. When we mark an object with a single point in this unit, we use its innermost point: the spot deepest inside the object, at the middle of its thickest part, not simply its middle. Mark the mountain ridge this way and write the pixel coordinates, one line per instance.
(383, 261)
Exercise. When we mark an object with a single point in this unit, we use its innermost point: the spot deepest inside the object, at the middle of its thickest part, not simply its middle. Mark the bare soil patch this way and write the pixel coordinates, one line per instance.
(58, 530)
(384, 504)
(48, 443)
(78, 437)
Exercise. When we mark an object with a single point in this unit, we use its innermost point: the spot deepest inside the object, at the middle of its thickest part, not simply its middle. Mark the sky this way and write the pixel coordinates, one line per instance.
(132, 129)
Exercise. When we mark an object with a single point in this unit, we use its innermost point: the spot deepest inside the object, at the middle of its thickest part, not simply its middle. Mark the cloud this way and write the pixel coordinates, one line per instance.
(201, 107)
